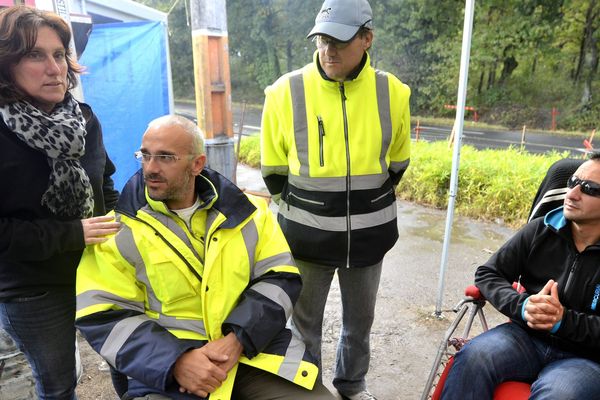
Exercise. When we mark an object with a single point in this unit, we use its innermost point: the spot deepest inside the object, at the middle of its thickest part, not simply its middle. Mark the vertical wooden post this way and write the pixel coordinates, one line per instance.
(554, 114)
(523, 138)
(451, 138)
(417, 130)
(592, 136)
(212, 82)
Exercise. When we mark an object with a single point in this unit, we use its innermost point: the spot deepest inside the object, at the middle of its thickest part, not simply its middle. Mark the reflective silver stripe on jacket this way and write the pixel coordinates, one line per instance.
(128, 249)
(276, 295)
(264, 265)
(385, 119)
(398, 166)
(93, 297)
(338, 184)
(338, 224)
(301, 126)
(172, 226)
(119, 335)
(276, 170)
(192, 325)
(211, 216)
(292, 359)
(250, 236)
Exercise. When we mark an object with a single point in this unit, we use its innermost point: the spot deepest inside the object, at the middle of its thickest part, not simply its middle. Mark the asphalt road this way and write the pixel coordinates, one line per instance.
(532, 141)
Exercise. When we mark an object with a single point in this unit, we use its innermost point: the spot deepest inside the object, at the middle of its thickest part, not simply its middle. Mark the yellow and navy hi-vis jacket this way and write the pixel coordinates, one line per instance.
(148, 294)
(331, 154)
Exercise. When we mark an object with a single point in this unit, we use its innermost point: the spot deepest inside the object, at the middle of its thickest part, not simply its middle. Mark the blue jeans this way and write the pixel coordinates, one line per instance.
(509, 353)
(358, 287)
(42, 326)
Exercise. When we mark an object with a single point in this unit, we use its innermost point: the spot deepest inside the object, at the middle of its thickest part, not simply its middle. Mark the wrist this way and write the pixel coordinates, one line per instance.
(523, 309)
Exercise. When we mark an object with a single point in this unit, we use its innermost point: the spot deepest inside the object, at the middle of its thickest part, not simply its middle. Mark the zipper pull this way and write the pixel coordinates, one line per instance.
(342, 91)
(321, 127)
(321, 136)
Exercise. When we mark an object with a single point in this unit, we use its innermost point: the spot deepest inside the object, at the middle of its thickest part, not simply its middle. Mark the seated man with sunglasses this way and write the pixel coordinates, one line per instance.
(553, 339)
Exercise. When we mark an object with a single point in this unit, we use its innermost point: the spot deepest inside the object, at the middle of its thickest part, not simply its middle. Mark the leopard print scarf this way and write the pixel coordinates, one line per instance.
(61, 137)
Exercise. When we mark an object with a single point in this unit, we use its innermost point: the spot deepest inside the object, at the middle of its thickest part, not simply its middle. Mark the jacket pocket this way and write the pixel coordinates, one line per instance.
(383, 196)
(170, 279)
(294, 197)
(321, 141)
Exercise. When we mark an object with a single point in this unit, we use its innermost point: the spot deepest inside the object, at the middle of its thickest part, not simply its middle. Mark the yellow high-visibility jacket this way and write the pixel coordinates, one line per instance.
(331, 154)
(158, 288)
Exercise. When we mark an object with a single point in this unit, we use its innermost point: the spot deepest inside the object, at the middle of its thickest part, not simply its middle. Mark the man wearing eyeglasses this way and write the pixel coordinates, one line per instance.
(554, 335)
(192, 296)
(335, 143)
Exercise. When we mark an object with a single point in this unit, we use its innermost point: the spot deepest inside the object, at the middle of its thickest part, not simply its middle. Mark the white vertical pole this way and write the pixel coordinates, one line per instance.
(459, 123)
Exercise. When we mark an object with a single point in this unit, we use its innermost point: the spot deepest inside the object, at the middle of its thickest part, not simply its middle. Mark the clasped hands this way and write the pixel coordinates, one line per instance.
(544, 310)
(201, 371)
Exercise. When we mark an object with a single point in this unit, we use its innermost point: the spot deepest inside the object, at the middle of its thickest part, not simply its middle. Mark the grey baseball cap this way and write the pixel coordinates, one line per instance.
(341, 19)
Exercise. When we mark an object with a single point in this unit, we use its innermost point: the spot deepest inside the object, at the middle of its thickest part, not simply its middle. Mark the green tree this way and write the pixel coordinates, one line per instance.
(180, 45)
(526, 55)
(267, 38)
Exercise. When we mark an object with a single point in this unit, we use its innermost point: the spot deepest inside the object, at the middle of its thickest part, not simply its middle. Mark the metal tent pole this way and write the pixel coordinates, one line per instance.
(460, 115)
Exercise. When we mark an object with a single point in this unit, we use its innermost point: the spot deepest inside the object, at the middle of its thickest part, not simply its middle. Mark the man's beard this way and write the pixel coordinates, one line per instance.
(173, 191)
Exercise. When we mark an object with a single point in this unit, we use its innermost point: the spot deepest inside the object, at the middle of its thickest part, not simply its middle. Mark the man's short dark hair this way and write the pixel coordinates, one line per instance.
(362, 31)
(595, 155)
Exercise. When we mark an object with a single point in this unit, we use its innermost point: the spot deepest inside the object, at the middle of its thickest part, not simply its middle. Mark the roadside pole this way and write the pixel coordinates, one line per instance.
(459, 124)
(212, 83)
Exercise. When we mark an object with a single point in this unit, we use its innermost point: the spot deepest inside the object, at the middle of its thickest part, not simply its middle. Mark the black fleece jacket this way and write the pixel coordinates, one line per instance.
(543, 250)
(40, 250)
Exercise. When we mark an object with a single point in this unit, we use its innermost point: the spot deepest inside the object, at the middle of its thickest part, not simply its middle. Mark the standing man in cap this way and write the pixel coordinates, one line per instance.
(335, 143)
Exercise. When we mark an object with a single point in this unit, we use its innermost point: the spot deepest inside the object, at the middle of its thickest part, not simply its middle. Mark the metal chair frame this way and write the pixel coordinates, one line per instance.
(471, 307)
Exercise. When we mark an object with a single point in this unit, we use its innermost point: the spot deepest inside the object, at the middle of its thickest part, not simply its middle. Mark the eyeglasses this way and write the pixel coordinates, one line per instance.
(588, 187)
(324, 41)
(160, 158)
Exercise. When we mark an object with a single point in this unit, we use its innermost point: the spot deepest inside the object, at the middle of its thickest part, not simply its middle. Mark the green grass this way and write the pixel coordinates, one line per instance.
(493, 185)
(250, 151)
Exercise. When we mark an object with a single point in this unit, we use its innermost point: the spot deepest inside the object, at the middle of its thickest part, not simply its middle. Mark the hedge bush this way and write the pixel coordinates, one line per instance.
(494, 185)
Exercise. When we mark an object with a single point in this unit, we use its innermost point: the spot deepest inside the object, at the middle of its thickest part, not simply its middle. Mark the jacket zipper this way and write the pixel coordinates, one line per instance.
(321, 135)
(571, 273)
(348, 171)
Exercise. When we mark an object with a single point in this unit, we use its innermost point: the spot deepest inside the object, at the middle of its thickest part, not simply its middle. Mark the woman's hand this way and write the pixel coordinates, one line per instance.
(96, 229)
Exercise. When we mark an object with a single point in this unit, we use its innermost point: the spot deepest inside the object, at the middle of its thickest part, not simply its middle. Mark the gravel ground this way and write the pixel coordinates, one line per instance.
(405, 333)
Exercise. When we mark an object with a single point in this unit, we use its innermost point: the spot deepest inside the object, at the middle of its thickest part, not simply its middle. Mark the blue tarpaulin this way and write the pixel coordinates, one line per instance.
(126, 83)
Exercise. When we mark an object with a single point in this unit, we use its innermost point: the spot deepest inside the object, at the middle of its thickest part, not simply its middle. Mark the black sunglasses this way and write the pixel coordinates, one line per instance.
(588, 187)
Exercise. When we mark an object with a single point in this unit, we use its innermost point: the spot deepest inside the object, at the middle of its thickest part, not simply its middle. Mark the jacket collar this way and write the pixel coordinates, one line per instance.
(214, 190)
(358, 71)
(555, 219)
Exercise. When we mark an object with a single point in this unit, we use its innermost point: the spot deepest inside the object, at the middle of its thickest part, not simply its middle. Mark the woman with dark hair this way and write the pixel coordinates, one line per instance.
(56, 176)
